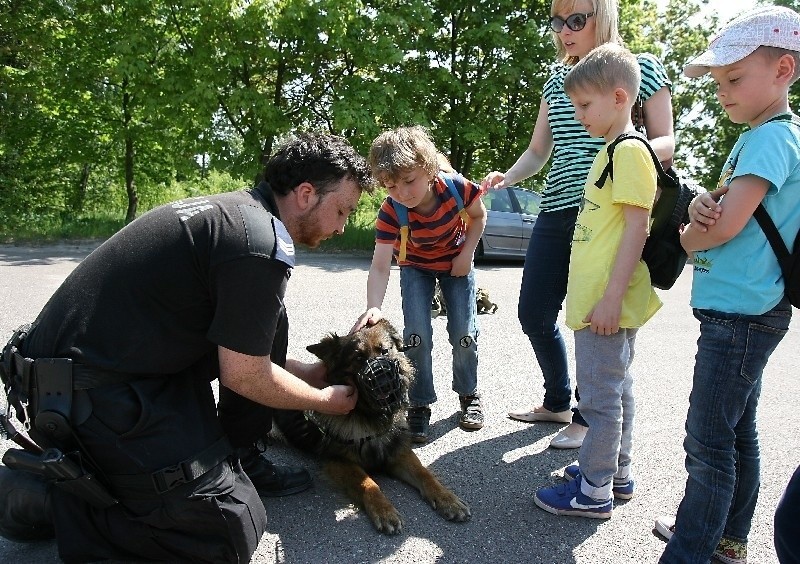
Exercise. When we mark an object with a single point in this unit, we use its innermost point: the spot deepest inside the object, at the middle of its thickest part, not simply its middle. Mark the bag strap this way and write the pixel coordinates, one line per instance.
(402, 217)
(608, 171)
(774, 238)
(402, 213)
(762, 216)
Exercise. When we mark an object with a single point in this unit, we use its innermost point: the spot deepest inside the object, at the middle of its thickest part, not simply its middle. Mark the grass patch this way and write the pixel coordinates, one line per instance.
(51, 226)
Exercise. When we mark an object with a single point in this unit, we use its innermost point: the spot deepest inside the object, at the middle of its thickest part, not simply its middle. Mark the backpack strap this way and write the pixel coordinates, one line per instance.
(765, 221)
(608, 171)
(774, 238)
(402, 213)
(402, 218)
(454, 192)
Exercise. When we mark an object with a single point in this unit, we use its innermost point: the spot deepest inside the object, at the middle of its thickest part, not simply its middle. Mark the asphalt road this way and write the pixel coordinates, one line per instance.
(496, 469)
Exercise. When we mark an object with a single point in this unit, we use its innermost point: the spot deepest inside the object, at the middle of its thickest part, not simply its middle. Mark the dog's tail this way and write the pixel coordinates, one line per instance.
(298, 431)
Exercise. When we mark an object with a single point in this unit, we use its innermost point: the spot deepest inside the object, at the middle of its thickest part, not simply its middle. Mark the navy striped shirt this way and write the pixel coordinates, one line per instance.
(573, 148)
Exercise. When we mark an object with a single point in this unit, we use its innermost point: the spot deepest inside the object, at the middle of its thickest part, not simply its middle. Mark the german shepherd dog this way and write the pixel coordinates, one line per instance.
(372, 437)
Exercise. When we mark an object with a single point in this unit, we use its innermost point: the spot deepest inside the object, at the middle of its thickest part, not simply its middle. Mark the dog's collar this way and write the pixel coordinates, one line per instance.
(312, 417)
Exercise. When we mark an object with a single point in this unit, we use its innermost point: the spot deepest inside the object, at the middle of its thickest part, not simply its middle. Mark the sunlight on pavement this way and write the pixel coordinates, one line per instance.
(536, 448)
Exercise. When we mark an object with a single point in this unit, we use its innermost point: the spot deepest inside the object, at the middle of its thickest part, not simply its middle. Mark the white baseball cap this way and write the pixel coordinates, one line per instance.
(770, 26)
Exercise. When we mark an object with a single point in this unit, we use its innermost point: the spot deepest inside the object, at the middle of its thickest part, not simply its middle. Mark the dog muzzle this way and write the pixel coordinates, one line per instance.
(380, 378)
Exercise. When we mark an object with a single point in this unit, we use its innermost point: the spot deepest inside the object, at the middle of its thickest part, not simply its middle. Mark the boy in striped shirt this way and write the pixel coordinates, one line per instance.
(432, 230)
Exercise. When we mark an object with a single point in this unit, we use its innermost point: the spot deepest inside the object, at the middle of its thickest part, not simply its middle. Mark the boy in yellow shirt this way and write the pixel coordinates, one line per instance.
(609, 295)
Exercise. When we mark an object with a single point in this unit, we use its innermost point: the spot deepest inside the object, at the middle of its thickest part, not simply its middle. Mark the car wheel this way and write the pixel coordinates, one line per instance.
(479, 250)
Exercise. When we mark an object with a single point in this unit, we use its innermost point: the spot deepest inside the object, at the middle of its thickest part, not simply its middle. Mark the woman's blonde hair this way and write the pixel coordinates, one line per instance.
(606, 24)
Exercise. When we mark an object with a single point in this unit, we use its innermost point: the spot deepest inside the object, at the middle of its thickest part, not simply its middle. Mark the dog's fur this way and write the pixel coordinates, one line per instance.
(367, 439)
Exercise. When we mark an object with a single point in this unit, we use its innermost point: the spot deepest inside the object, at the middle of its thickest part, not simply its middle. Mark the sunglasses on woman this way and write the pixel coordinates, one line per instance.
(575, 22)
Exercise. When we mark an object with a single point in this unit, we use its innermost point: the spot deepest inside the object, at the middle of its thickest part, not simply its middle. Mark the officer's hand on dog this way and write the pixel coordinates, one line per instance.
(340, 400)
(369, 317)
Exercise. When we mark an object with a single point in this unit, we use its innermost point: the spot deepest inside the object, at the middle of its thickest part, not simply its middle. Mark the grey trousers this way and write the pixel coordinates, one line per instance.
(602, 368)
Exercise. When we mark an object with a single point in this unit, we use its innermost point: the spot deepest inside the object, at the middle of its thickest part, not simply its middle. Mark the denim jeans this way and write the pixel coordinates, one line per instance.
(544, 287)
(722, 453)
(603, 373)
(787, 516)
(417, 287)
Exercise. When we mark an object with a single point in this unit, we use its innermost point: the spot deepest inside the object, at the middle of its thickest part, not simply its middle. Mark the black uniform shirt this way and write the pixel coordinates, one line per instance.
(172, 285)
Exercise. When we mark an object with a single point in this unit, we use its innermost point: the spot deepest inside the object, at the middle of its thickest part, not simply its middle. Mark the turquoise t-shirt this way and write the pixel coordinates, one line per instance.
(573, 148)
(742, 275)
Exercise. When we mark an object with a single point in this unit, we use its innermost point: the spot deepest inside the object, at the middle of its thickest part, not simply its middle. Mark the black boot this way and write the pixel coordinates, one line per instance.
(271, 480)
(24, 507)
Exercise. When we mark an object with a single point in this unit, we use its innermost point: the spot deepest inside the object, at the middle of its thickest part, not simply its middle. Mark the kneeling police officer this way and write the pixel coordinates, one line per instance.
(130, 458)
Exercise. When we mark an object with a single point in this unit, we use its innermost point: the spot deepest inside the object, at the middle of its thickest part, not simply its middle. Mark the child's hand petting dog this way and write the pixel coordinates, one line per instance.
(369, 317)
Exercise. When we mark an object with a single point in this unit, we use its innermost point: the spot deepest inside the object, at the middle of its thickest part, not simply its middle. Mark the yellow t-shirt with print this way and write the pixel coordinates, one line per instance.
(598, 233)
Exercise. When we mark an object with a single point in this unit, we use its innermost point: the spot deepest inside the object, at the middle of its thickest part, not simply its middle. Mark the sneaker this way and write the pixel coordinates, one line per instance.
(471, 412)
(665, 526)
(419, 419)
(567, 499)
(272, 480)
(622, 489)
(728, 551)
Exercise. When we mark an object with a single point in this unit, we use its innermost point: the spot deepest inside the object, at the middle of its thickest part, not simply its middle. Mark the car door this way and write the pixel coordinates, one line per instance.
(528, 202)
(504, 228)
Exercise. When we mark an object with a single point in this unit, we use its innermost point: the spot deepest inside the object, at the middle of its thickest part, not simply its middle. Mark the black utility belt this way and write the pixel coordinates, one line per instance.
(41, 392)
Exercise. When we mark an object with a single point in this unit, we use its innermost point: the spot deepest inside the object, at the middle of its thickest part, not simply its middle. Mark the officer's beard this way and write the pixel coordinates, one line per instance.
(308, 228)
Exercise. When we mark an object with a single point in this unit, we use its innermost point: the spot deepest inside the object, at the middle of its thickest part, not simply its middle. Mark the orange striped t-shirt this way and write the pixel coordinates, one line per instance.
(434, 240)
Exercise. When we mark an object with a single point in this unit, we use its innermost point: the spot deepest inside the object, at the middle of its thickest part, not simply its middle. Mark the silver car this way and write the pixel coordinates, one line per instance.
(511, 214)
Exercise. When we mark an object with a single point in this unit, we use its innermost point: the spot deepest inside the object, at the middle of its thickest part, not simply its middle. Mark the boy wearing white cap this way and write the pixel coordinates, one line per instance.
(737, 288)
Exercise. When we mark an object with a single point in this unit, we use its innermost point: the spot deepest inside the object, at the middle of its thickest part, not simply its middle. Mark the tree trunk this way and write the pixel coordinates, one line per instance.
(130, 185)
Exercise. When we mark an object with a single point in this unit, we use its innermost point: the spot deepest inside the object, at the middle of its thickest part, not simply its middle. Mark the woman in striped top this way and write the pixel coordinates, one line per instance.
(577, 27)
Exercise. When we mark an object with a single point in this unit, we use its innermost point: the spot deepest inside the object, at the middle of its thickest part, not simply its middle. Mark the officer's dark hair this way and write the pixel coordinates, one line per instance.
(317, 158)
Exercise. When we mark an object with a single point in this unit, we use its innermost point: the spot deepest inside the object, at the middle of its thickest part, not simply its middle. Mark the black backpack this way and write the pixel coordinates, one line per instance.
(663, 254)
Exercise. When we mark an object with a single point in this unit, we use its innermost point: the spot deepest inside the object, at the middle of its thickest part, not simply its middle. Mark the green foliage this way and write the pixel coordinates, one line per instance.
(109, 109)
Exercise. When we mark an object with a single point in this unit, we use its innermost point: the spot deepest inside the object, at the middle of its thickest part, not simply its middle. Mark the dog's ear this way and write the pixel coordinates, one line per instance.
(326, 348)
(393, 334)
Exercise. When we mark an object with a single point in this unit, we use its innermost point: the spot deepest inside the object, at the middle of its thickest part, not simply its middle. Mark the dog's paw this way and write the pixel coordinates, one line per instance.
(448, 505)
(387, 521)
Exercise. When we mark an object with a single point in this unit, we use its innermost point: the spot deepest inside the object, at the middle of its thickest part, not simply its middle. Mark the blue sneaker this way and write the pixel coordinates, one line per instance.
(622, 489)
(567, 499)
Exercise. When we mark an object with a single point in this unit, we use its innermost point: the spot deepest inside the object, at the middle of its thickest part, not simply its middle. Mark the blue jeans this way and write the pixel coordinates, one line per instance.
(602, 365)
(722, 453)
(787, 516)
(417, 287)
(544, 287)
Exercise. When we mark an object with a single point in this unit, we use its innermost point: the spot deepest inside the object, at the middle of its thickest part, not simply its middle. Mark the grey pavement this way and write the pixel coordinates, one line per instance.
(497, 469)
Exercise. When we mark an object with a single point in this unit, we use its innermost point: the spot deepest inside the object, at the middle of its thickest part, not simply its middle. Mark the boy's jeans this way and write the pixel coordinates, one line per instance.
(602, 365)
(416, 288)
(722, 454)
(544, 286)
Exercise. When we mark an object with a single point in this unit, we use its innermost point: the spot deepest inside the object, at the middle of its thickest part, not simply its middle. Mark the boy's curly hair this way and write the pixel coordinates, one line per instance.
(403, 149)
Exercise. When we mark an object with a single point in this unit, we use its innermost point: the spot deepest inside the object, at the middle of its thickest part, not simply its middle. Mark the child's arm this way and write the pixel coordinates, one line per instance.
(704, 209)
(377, 281)
(462, 264)
(604, 318)
(744, 195)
